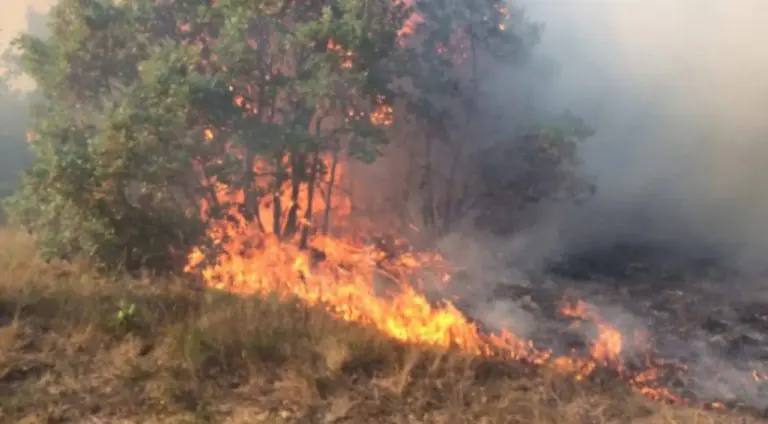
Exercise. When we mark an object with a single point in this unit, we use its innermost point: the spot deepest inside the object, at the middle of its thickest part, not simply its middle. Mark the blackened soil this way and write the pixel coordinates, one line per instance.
(701, 319)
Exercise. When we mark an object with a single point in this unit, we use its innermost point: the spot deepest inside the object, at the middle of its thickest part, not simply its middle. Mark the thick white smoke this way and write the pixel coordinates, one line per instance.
(678, 92)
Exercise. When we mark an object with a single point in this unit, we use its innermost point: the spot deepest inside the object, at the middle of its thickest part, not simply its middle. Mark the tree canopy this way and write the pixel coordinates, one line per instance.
(155, 118)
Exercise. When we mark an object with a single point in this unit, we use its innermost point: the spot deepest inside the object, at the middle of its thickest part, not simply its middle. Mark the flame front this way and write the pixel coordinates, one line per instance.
(342, 281)
(361, 282)
(364, 283)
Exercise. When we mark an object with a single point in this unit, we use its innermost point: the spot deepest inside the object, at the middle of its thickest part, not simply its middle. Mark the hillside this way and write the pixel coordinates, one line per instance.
(77, 348)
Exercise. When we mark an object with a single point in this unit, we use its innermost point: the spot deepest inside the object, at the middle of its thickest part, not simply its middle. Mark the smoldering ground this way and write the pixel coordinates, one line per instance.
(677, 94)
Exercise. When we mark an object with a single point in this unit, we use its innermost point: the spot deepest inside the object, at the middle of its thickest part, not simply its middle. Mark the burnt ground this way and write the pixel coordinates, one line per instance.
(706, 324)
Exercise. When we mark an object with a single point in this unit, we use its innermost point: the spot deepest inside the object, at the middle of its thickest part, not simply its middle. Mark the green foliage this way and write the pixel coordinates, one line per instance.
(144, 105)
(456, 45)
(129, 89)
(538, 164)
(126, 318)
(483, 153)
(117, 137)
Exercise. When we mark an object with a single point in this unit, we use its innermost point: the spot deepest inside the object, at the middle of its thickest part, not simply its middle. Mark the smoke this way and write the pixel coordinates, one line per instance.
(16, 17)
(22, 16)
(678, 94)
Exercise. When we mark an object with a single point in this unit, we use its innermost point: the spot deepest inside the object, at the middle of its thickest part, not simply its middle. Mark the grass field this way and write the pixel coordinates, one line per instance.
(78, 348)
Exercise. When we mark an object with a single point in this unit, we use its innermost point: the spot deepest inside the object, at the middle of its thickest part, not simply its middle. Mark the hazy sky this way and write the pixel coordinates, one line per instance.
(14, 19)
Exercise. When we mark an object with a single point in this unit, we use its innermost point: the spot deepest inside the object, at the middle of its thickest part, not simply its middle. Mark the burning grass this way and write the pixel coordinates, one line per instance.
(75, 347)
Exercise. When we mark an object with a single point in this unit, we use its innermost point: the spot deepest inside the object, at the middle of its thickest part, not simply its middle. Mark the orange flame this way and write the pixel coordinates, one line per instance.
(608, 345)
(366, 284)
(346, 55)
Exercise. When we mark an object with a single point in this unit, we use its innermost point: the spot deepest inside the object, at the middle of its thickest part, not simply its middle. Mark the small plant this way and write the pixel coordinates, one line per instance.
(126, 317)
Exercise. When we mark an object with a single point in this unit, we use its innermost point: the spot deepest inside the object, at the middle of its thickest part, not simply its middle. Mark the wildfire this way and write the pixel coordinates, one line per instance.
(366, 284)
(345, 55)
(383, 115)
(608, 345)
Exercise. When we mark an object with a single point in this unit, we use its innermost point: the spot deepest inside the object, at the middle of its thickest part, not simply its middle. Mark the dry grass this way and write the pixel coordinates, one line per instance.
(176, 356)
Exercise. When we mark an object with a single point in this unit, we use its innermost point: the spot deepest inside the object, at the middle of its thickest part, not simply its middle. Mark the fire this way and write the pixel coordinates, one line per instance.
(383, 115)
(208, 134)
(342, 282)
(345, 55)
(362, 282)
(365, 283)
(608, 345)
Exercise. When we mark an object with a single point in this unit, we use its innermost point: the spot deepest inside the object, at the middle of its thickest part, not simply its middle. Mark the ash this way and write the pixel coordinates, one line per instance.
(705, 318)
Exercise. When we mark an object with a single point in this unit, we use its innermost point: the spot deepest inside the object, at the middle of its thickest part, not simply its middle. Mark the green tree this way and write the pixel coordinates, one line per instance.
(145, 106)
(147, 110)
(540, 163)
(118, 129)
(308, 76)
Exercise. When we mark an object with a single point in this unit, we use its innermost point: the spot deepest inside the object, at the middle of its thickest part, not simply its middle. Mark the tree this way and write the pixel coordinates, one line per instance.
(118, 126)
(157, 119)
(455, 51)
(541, 163)
(308, 76)
(148, 108)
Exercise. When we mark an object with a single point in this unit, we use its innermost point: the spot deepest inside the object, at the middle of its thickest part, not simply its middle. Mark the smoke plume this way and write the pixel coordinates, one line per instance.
(678, 93)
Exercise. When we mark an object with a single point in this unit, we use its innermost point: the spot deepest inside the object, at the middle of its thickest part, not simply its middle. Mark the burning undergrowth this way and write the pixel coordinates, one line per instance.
(418, 297)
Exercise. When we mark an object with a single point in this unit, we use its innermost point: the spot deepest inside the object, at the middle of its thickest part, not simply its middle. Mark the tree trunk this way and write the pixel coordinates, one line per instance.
(311, 185)
(297, 175)
(329, 194)
(277, 206)
(310, 200)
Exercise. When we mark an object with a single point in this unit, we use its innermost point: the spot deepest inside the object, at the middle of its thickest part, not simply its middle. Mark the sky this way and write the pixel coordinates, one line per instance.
(14, 19)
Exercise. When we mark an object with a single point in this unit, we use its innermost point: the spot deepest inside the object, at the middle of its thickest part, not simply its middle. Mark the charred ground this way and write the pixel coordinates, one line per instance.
(707, 320)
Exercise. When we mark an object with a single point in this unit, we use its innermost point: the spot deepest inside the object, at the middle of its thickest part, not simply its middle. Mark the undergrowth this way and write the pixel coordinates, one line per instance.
(75, 347)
